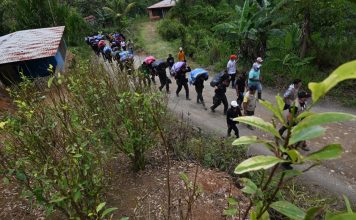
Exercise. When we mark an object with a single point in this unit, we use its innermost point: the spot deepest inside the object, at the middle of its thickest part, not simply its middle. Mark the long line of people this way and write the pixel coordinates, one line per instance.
(112, 47)
(248, 88)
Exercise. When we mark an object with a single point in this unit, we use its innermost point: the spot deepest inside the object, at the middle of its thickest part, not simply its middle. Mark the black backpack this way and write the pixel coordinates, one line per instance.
(218, 78)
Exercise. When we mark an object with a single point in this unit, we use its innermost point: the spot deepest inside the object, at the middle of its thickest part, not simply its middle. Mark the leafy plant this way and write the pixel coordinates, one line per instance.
(263, 195)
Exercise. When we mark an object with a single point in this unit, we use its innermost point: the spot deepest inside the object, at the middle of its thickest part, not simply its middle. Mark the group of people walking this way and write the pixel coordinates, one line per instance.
(248, 88)
(112, 47)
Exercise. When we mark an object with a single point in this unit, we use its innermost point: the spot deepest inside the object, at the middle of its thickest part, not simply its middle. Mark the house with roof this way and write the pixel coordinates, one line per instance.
(31, 52)
(160, 9)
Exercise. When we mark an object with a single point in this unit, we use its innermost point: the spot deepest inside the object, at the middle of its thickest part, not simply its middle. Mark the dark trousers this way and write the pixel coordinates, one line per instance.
(231, 127)
(164, 82)
(199, 95)
(240, 98)
(286, 106)
(182, 83)
(250, 113)
(217, 100)
(232, 79)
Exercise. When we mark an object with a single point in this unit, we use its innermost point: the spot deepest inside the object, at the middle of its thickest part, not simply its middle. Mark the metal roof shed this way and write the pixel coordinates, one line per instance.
(160, 9)
(31, 52)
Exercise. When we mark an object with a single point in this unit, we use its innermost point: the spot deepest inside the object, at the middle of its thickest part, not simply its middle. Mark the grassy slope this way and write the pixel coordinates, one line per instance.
(151, 42)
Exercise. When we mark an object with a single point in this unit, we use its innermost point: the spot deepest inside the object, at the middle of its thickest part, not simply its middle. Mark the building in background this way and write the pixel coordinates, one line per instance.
(160, 9)
(31, 52)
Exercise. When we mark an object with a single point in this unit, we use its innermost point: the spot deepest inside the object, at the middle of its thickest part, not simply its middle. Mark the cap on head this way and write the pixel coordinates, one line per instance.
(234, 104)
(180, 48)
(233, 57)
(259, 59)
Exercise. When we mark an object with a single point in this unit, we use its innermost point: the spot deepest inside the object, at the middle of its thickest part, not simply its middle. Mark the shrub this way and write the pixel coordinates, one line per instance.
(171, 29)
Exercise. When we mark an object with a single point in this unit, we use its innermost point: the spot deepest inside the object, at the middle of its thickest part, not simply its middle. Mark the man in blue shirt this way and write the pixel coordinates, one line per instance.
(254, 78)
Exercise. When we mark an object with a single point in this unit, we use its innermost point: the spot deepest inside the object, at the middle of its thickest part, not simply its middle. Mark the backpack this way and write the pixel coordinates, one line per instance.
(218, 78)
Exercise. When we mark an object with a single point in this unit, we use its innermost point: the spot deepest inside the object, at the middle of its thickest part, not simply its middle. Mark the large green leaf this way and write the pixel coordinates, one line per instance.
(323, 118)
(248, 140)
(276, 110)
(257, 163)
(258, 123)
(289, 210)
(328, 152)
(343, 72)
(306, 134)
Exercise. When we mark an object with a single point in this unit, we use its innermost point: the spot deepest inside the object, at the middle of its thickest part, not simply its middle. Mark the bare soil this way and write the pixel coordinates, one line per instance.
(143, 195)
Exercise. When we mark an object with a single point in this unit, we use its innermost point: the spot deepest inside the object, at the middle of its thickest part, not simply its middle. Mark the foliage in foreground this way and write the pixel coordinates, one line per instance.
(59, 142)
(263, 194)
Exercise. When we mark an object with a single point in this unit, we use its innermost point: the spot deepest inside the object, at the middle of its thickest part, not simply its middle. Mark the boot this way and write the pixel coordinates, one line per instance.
(259, 96)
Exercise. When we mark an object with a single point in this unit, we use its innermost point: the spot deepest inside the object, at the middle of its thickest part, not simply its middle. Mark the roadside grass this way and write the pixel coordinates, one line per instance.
(147, 39)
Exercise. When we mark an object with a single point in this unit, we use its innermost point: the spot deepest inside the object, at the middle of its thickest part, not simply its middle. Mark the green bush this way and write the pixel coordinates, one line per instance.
(171, 29)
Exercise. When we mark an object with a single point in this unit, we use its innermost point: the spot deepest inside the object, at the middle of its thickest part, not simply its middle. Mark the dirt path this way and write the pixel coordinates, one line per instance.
(338, 174)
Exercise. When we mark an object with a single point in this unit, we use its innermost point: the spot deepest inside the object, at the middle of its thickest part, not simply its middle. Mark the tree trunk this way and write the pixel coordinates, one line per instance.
(305, 34)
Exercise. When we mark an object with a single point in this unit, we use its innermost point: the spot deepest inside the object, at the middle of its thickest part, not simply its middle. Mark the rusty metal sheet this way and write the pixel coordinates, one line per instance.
(30, 44)
(163, 4)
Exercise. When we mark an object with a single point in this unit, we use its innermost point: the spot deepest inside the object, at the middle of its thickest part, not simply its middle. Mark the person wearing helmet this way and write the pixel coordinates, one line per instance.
(181, 55)
(233, 112)
(231, 69)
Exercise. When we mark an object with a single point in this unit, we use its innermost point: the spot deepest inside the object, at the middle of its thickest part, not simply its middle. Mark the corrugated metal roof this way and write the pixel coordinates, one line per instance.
(30, 44)
(163, 4)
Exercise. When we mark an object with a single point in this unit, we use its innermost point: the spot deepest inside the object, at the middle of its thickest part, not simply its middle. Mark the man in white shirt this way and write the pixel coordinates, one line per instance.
(231, 69)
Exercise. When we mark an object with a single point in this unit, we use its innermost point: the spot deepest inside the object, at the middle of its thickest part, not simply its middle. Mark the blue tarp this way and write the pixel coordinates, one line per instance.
(194, 74)
(125, 55)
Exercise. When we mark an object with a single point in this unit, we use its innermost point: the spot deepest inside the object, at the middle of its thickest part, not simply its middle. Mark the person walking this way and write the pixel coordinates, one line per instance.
(182, 81)
(233, 112)
(220, 95)
(296, 108)
(123, 45)
(162, 75)
(240, 86)
(291, 94)
(181, 55)
(231, 69)
(199, 86)
(254, 77)
(249, 103)
(170, 61)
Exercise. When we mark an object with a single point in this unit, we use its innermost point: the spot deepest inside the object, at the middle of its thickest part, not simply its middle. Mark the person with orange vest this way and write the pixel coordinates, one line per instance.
(181, 55)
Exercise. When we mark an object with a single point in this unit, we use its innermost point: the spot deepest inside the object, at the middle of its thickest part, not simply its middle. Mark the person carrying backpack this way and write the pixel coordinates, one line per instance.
(292, 93)
(162, 75)
(296, 108)
(170, 61)
(182, 80)
(199, 86)
(220, 93)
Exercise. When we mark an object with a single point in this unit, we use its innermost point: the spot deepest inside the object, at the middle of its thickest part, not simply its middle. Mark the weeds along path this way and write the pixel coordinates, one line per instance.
(336, 175)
